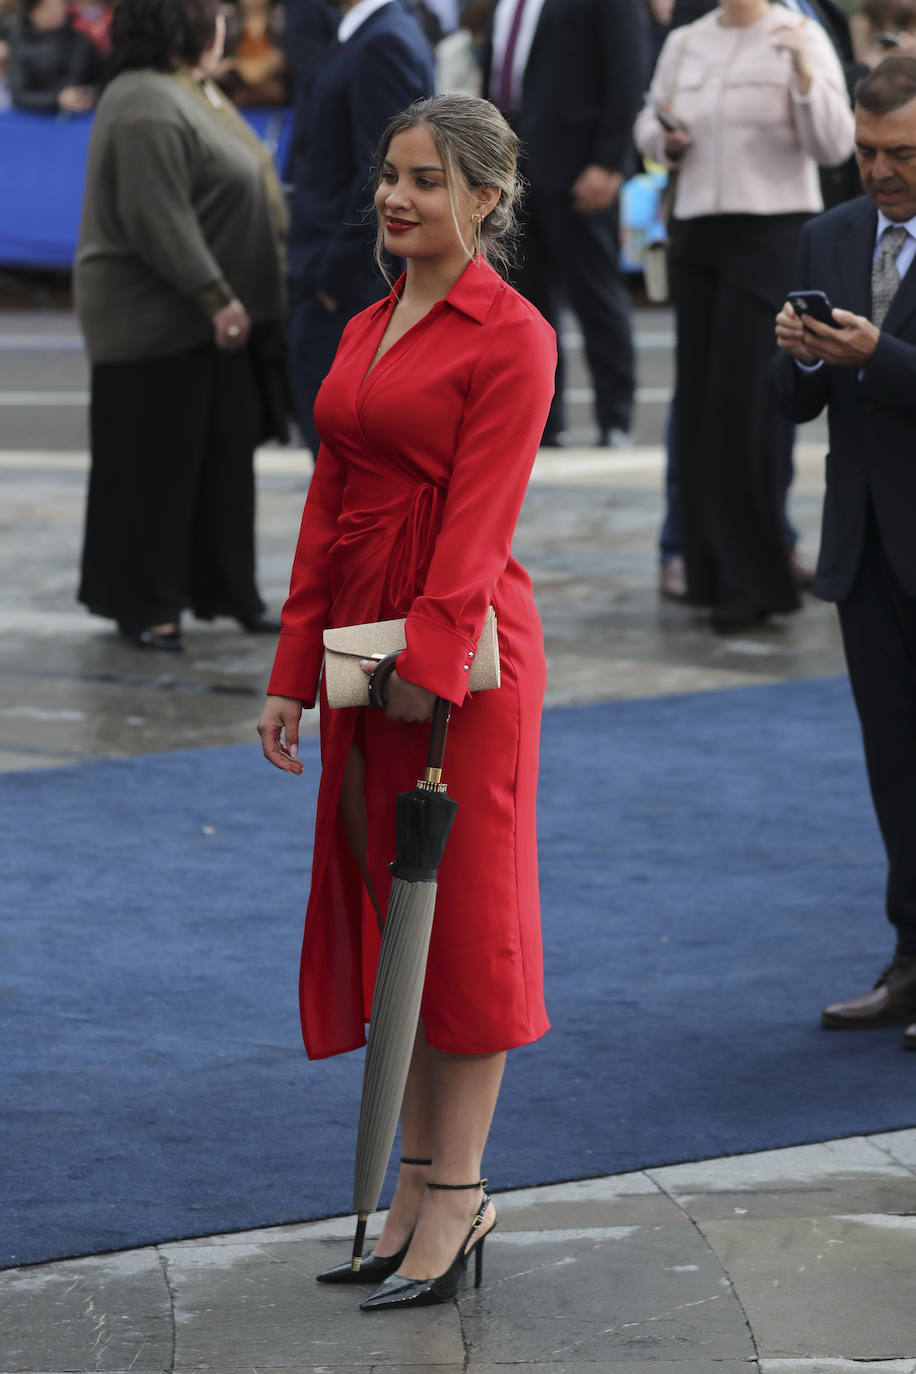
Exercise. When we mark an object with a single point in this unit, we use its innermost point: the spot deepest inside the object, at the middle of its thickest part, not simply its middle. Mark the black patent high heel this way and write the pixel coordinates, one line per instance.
(398, 1291)
(373, 1268)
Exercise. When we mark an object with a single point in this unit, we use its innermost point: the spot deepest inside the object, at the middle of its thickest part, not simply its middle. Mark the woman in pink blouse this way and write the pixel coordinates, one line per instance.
(761, 102)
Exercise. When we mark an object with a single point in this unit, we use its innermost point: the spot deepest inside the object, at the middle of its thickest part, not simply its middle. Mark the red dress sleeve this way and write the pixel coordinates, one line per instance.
(297, 665)
(507, 403)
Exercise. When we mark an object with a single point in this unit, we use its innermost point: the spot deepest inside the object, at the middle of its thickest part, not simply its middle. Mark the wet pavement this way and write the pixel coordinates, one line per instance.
(792, 1260)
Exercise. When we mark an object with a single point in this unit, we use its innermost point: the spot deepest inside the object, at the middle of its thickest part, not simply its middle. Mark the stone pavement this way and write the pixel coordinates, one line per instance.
(791, 1261)
(796, 1261)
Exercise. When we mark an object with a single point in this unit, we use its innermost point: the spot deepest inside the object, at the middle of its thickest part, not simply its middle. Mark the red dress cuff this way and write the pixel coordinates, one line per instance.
(438, 658)
(297, 669)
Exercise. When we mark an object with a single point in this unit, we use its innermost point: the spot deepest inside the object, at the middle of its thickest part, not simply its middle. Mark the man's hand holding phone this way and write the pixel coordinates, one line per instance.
(821, 333)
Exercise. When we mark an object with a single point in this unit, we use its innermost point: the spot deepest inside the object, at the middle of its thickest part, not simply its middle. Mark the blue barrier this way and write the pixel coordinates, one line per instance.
(43, 167)
(42, 170)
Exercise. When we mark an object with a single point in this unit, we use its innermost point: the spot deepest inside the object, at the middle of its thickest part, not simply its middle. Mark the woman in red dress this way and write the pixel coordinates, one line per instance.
(430, 420)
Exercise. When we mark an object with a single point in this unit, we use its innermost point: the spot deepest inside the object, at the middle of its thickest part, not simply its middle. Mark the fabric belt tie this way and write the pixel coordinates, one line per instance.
(413, 546)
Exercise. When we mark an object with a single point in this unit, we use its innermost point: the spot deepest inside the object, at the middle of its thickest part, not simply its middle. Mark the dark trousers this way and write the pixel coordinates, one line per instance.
(670, 542)
(562, 251)
(314, 335)
(730, 274)
(170, 513)
(878, 620)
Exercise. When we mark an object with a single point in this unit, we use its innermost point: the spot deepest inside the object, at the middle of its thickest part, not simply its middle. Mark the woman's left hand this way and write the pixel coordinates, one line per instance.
(406, 701)
(790, 38)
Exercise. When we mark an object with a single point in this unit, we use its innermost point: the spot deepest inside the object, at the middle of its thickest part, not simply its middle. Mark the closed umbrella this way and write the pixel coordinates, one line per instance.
(423, 821)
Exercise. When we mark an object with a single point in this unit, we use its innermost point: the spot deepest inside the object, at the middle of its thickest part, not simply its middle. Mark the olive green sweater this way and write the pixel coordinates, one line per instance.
(175, 223)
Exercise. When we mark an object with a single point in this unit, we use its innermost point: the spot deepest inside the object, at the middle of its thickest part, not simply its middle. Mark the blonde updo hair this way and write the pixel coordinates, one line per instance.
(476, 146)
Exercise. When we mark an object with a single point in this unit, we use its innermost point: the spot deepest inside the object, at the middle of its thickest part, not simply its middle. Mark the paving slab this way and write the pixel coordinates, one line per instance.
(639, 1292)
(649, 1366)
(900, 1145)
(623, 1200)
(258, 1306)
(852, 1175)
(837, 1366)
(106, 1313)
(823, 1285)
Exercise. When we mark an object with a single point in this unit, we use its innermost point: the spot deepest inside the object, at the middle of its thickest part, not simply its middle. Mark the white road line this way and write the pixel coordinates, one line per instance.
(40, 343)
(42, 400)
(552, 465)
(73, 343)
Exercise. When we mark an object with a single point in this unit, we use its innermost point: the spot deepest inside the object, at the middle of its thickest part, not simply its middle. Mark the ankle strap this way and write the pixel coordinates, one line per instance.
(405, 1159)
(455, 1187)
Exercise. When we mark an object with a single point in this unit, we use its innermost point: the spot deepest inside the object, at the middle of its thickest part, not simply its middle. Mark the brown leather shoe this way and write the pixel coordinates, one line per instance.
(891, 1001)
(909, 1038)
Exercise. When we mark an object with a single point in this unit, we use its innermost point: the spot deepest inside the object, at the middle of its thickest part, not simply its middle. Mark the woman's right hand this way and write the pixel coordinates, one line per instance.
(231, 327)
(677, 141)
(279, 731)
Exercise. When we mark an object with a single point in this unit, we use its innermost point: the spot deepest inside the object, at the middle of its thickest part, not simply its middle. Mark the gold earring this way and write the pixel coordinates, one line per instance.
(477, 218)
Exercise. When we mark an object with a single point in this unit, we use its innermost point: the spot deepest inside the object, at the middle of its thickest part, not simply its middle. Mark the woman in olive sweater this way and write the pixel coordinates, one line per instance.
(177, 262)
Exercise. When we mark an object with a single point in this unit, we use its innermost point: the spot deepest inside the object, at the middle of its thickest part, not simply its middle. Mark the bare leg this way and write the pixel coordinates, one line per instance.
(465, 1089)
(417, 1140)
(448, 1104)
(352, 808)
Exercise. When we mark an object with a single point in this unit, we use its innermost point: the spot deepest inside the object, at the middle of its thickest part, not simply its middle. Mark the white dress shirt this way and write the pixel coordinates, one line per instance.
(502, 23)
(358, 15)
(908, 251)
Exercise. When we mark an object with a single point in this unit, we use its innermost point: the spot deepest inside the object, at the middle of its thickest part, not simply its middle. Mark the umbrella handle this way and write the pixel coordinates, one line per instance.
(442, 711)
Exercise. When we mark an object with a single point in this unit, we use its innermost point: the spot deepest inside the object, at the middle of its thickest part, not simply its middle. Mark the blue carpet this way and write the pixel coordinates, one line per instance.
(712, 875)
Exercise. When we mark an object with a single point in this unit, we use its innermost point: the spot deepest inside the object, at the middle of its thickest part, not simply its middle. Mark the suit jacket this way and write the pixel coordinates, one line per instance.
(385, 66)
(872, 421)
(582, 88)
(309, 29)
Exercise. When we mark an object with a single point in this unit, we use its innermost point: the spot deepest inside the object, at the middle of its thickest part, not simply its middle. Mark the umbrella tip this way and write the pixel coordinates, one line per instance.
(361, 1223)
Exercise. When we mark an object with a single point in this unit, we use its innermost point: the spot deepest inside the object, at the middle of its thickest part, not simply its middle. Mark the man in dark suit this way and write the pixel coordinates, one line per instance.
(379, 64)
(864, 371)
(570, 74)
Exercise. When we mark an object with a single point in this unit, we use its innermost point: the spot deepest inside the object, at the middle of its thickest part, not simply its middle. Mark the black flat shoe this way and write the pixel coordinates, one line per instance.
(398, 1291)
(170, 642)
(262, 624)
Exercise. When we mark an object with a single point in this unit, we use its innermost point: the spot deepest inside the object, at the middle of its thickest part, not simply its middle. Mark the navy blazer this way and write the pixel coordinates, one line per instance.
(582, 88)
(872, 421)
(380, 70)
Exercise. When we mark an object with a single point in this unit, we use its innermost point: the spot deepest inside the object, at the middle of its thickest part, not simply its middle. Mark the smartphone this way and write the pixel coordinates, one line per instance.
(815, 304)
(668, 120)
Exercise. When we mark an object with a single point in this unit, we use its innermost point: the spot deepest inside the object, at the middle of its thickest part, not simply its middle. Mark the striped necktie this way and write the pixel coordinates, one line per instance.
(884, 275)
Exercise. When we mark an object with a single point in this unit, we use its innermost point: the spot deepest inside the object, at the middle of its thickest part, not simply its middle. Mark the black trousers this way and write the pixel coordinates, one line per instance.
(729, 275)
(562, 251)
(170, 513)
(878, 620)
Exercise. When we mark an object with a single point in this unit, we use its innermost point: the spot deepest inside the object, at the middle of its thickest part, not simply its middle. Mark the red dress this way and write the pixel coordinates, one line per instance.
(413, 503)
